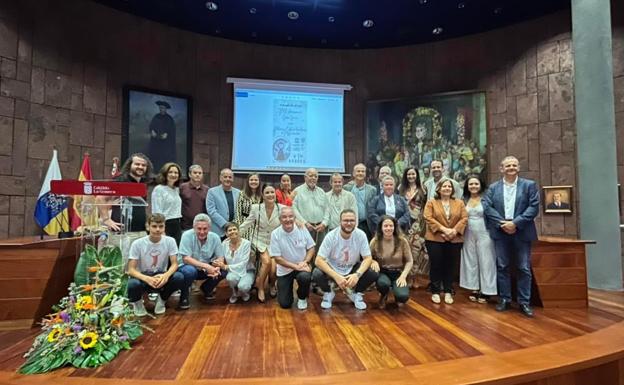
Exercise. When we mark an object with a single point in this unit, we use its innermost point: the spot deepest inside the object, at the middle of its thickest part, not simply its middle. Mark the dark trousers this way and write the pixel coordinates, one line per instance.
(443, 257)
(367, 279)
(505, 248)
(173, 228)
(363, 225)
(285, 287)
(387, 280)
(191, 273)
(136, 287)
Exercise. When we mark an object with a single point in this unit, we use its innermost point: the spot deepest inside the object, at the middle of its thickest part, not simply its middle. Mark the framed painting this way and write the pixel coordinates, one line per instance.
(449, 127)
(558, 199)
(158, 124)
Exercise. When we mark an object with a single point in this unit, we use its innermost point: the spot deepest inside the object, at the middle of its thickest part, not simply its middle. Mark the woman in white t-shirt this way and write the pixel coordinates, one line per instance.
(240, 272)
(166, 199)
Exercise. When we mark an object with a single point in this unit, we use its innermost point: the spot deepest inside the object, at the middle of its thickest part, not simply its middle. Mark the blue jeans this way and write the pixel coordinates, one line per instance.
(136, 287)
(191, 273)
(506, 247)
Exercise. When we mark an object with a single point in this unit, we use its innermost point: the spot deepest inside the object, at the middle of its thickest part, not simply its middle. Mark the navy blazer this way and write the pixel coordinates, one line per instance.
(377, 208)
(525, 209)
(217, 208)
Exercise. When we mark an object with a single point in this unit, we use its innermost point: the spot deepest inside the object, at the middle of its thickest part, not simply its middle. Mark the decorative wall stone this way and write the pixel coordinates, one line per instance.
(6, 135)
(561, 96)
(15, 88)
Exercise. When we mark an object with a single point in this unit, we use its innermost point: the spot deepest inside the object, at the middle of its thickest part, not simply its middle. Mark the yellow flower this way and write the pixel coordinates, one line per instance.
(85, 302)
(88, 340)
(54, 335)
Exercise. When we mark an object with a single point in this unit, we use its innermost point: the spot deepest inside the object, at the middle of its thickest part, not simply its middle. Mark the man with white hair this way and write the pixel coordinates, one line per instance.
(363, 193)
(310, 204)
(221, 202)
(199, 255)
(338, 199)
(384, 172)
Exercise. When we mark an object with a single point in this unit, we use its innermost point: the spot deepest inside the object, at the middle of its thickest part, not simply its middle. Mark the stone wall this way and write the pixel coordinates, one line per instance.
(63, 65)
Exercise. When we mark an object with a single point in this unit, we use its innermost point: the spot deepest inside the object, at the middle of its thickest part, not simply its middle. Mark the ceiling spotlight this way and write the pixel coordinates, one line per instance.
(422, 2)
(253, 11)
(368, 23)
(461, 5)
(498, 11)
(292, 15)
(331, 19)
(437, 30)
(212, 6)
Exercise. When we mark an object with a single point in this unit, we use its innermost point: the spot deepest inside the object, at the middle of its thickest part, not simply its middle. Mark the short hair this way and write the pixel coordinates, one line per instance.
(311, 169)
(336, 174)
(388, 177)
(439, 186)
(164, 170)
(359, 164)
(388, 167)
(194, 167)
(155, 218)
(509, 157)
(436, 160)
(201, 217)
(227, 225)
(224, 170)
(347, 211)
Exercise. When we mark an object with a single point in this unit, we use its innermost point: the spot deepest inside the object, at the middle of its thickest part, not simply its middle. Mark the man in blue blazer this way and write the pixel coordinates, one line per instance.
(221, 202)
(364, 193)
(510, 206)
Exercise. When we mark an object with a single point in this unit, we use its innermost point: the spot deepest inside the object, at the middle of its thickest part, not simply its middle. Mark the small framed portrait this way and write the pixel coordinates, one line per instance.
(558, 199)
(158, 124)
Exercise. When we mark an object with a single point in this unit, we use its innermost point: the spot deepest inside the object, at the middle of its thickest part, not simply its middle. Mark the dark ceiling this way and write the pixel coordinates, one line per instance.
(338, 23)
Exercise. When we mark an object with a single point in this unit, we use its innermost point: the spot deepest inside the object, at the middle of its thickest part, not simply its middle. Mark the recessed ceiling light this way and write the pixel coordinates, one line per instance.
(212, 6)
(253, 11)
(437, 30)
(331, 19)
(368, 23)
(461, 5)
(422, 2)
(293, 15)
(498, 10)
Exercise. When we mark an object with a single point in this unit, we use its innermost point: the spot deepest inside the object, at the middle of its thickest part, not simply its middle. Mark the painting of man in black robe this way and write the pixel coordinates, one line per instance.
(157, 124)
(162, 130)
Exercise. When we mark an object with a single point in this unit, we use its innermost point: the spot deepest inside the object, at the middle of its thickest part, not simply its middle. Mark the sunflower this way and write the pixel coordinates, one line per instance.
(54, 335)
(88, 340)
(85, 302)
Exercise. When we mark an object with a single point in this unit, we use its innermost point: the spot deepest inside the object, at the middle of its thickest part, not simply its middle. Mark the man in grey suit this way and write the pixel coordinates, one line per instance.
(510, 206)
(221, 202)
(364, 193)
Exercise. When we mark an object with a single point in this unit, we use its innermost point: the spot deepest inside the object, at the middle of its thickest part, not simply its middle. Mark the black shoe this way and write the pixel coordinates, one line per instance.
(526, 310)
(211, 295)
(184, 304)
(503, 305)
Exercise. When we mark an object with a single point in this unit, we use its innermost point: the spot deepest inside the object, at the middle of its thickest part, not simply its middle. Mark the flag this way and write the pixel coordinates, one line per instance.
(81, 207)
(51, 211)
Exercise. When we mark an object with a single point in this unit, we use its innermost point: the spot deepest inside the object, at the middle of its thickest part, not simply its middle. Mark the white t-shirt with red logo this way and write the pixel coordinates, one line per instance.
(342, 254)
(153, 257)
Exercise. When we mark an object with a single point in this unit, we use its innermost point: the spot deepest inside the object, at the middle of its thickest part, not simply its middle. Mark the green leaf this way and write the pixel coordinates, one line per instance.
(87, 259)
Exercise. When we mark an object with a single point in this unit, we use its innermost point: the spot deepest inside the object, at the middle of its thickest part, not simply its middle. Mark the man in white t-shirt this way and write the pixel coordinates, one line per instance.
(293, 250)
(152, 266)
(345, 258)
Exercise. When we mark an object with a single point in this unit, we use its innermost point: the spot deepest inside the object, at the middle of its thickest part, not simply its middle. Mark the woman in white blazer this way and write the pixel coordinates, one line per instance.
(262, 220)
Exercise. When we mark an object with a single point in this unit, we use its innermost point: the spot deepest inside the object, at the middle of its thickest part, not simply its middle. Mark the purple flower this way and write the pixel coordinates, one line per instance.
(78, 350)
(76, 327)
(65, 317)
(123, 337)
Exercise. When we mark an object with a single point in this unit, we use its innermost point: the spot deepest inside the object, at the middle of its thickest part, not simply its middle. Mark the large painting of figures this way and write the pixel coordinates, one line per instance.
(157, 124)
(414, 131)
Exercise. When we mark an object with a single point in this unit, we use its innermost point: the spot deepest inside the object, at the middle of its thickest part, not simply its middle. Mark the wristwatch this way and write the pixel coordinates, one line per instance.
(359, 275)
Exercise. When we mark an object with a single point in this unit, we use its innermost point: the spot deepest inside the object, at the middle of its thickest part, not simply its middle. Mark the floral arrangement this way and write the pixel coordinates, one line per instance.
(93, 323)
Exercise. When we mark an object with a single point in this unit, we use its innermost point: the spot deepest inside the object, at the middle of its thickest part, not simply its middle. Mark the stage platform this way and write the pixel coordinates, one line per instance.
(419, 343)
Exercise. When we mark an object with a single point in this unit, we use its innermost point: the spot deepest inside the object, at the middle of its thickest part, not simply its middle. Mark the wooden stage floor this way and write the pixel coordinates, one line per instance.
(251, 340)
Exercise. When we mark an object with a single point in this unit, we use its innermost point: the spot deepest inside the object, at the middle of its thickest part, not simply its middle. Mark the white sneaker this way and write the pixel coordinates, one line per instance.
(302, 304)
(176, 294)
(328, 297)
(357, 300)
(152, 296)
(435, 298)
(234, 296)
(245, 297)
(139, 308)
(160, 306)
(448, 298)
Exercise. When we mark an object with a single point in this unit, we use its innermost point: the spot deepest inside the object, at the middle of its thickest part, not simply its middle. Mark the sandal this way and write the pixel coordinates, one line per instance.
(483, 298)
(474, 296)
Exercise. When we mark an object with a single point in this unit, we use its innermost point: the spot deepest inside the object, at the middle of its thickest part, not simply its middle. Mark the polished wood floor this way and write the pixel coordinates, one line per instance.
(217, 340)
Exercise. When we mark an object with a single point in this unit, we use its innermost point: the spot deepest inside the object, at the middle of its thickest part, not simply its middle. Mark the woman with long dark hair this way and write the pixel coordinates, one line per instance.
(166, 199)
(284, 194)
(392, 258)
(411, 189)
(249, 196)
(478, 259)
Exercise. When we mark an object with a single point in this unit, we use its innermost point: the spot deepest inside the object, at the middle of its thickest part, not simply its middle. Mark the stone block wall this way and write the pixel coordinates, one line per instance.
(63, 66)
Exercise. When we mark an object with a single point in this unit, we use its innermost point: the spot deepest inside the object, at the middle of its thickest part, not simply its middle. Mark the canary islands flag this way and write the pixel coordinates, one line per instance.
(51, 212)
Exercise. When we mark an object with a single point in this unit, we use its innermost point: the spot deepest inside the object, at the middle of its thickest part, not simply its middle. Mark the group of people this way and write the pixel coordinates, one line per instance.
(346, 239)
